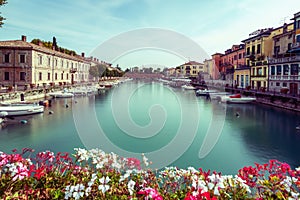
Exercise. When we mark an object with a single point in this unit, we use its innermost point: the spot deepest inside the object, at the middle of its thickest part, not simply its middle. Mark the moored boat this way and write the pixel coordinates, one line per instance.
(237, 98)
(188, 87)
(20, 109)
(61, 94)
(204, 92)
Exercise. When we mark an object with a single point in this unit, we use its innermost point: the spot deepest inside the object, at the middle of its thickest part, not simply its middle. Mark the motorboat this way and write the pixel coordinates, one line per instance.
(188, 87)
(61, 94)
(7, 110)
(237, 98)
(204, 92)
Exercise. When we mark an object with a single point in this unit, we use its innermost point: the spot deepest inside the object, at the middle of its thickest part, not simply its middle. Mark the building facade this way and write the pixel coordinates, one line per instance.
(259, 48)
(191, 69)
(23, 63)
(284, 75)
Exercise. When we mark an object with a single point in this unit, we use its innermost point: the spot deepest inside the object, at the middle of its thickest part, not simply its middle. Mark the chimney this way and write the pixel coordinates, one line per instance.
(82, 54)
(23, 38)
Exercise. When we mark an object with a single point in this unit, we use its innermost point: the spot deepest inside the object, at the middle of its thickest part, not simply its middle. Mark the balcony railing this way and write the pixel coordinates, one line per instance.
(284, 60)
(258, 76)
(73, 70)
(285, 77)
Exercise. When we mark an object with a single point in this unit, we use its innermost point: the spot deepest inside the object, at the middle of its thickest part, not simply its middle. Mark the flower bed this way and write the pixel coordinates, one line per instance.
(94, 174)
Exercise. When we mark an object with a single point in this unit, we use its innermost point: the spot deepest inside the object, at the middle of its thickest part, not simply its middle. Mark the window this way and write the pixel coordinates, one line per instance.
(294, 69)
(289, 46)
(240, 55)
(62, 63)
(276, 50)
(253, 49)
(247, 80)
(298, 37)
(67, 76)
(242, 81)
(40, 76)
(258, 49)
(298, 24)
(55, 76)
(284, 84)
(6, 58)
(248, 50)
(22, 58)
(272, 70)
(55, 62)
(40, 59)
(235, 57)
(277, 84)
(259, 71)
(286, 70)
(62, 76)
(22, 76)
(278, 69)
(49, 61)
(6, 76)
(49, 76)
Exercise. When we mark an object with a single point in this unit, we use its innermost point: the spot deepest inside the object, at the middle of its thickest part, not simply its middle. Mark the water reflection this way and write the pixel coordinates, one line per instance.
(257, 134)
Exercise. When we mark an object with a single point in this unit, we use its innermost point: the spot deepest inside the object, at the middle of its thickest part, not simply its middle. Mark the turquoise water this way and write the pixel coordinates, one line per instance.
(169, 125)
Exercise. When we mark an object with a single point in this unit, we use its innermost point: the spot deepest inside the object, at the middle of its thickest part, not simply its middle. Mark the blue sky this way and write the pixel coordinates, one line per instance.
(83, 25)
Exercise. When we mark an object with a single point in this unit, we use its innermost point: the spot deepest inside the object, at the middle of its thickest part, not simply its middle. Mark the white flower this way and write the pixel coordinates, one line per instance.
(83, 154)
(103, 187)
(130, 186)
(77, 195)
(145, 160)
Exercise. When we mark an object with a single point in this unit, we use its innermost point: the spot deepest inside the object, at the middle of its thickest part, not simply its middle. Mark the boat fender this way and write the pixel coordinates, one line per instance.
(50, 112)
(67, 105)
(23, 121)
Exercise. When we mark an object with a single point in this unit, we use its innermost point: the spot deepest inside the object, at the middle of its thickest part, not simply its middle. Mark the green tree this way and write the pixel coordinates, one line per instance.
(94, 71)
(2, 2)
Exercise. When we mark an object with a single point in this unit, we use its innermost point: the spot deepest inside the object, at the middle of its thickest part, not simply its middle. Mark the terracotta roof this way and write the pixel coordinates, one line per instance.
(192, 63)
(19, 44)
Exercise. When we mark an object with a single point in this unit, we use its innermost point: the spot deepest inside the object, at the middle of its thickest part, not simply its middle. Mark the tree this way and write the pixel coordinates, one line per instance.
(2, 2)
(94, 71)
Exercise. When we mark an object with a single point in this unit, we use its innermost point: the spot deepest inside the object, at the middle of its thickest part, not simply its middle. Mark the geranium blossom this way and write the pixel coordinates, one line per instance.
(104, 186)
(50, 176)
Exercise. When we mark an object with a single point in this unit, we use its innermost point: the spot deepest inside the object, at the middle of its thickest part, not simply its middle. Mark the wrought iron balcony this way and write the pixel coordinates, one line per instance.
(284, 77)
(73, 70)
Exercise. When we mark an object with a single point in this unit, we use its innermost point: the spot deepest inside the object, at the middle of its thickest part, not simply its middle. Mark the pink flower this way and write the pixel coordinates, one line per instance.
(21, 172)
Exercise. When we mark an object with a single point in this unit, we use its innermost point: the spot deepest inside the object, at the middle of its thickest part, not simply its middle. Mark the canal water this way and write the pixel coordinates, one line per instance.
(171, 126)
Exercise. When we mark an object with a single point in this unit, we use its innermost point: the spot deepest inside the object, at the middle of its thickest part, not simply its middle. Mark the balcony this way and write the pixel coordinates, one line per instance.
(284, 60)
(73, 70)
(284, 77)
(258, 76)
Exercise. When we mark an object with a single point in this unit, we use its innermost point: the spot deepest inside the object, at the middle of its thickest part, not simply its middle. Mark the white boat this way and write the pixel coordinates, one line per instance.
(237, 98)
(204, 92)
(20, 109)
(188, 87)
(61, 94)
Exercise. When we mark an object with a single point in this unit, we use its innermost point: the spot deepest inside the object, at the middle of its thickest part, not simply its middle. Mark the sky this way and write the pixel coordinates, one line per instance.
(86, 25)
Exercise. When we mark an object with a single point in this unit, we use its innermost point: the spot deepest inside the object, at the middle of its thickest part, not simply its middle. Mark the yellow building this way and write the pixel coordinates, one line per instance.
(191, 69)
(259, 47)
